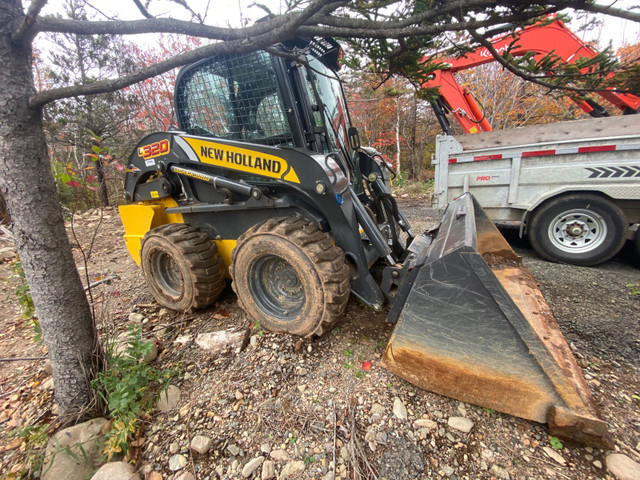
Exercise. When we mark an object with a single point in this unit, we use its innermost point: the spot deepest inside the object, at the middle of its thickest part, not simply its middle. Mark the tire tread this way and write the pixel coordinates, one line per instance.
(201, 254)
(320, 248)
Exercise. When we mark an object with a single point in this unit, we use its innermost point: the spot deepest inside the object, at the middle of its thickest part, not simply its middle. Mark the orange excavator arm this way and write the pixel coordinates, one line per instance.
(541, 39)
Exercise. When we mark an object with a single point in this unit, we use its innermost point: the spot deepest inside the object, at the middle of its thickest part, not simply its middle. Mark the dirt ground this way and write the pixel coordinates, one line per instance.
(317, 401)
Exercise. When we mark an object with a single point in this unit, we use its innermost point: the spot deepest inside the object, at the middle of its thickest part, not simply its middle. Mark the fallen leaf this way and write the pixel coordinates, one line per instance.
(11, 445)
(366, 365)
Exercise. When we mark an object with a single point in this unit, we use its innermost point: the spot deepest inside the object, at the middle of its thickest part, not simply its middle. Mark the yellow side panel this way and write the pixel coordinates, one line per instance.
(138, 219)
(242, 159)
(224, 249)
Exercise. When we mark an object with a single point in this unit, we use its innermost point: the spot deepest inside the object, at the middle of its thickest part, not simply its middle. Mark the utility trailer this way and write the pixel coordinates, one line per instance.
(573, 187)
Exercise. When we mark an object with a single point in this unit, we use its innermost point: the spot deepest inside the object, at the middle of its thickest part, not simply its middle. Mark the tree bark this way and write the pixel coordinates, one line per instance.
(38, 226)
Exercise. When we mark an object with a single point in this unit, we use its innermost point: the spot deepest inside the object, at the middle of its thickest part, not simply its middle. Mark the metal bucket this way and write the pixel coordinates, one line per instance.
(473, 325)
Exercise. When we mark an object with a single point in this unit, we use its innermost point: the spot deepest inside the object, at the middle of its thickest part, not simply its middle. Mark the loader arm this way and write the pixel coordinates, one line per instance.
(540, 39)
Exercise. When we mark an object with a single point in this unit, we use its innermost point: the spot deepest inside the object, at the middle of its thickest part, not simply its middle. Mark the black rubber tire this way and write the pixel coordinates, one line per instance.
(636, 241)
(290, 276)
(580, 229)
(182, 267)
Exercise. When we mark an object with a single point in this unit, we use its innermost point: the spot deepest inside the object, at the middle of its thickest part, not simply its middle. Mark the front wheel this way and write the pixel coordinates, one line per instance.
(290, 276)
(581, 229)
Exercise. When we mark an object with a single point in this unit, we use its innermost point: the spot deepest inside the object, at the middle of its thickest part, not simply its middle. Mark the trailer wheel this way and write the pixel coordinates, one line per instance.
(290, 276)
(182, 267)
(581, 229)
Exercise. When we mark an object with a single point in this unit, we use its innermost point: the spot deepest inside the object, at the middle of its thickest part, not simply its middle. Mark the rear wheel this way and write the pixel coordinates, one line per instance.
(182, 267)
(582, 229)
(290, 276)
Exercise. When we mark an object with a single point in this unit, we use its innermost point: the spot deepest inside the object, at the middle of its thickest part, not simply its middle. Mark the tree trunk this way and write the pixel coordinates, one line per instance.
(38, 227)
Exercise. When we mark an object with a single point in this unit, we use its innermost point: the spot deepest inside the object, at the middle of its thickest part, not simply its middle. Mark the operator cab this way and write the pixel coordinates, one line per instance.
(293, 100)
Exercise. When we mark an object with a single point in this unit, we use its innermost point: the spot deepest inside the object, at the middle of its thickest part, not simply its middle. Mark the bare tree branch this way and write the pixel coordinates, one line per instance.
(319, 18)
(93, 7)
(145, 13)
(389, 29)
(186, 6)
(25, 32)
(283, 32)
(155, 25)
(599, 8)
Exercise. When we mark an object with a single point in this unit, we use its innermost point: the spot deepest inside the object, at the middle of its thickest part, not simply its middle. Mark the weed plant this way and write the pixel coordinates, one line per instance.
(129, 388)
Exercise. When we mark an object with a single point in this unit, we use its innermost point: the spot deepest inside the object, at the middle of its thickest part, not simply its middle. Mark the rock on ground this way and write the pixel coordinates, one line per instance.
(216, 343)
(268, 470)
(292, 469)
(622, 467)
(177, 462)
(74, 453)
(116, 471)
(461, 424)
(554, 455)
(399, 410)
(201, 444)
(184, 476)
(252, 466)
(168, 400)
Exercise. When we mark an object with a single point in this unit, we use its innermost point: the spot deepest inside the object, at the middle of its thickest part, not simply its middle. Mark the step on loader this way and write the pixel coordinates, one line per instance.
(265, 181)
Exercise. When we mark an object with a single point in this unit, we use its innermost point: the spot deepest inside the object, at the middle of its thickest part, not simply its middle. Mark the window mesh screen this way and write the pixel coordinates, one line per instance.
(235, 97)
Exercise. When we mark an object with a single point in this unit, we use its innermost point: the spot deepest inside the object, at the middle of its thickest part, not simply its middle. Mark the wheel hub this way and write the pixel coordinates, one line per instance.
(166, 273)
(577, 231)
(276, 287)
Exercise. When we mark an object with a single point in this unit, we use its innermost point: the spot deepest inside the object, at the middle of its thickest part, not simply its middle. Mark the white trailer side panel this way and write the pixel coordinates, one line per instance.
(510, 178)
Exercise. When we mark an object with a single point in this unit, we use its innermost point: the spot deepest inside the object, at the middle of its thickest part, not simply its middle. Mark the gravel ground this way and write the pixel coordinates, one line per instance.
(320, 410)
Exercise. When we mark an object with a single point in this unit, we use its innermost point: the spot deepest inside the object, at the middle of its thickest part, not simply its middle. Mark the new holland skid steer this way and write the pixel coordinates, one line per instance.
(265, 181)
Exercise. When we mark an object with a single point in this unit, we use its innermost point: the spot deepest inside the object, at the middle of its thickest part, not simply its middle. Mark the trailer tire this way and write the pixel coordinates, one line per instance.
(580, 229)
(290, 276)
(182, 267)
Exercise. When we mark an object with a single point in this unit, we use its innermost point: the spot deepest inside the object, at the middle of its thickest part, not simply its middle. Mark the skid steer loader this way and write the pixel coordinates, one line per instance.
(265, 181)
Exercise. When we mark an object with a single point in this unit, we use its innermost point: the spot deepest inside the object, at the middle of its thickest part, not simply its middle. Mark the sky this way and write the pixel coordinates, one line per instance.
(232, 12)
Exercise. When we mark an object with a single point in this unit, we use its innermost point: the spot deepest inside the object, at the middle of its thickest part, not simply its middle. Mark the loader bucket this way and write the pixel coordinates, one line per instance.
(473, 325)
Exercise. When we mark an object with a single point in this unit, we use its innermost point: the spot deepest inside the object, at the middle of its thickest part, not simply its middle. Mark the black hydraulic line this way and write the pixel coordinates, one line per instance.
(442, 117)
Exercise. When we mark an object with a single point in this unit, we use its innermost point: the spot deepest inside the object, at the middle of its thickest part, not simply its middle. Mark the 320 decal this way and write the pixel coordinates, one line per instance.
(154, 149)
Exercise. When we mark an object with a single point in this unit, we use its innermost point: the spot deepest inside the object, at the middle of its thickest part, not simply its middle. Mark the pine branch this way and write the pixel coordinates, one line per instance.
(523, 74)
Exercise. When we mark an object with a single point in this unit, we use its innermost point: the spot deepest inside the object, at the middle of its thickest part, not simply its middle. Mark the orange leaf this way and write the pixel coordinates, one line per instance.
(366, 365)
(221, 314)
